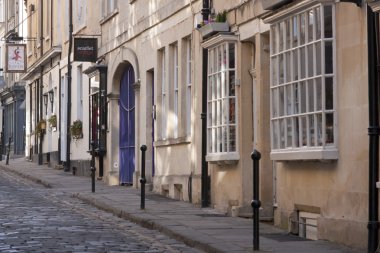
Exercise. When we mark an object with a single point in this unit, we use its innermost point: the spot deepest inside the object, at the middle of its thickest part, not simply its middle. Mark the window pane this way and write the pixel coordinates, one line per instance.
(296, 98)
(328, 21)
(209, 94)
(218, 86)
(275, 134)
(225, 110)
(311, 130)
(318, 90)
(289, 133)
(288, 66)
(328, 57)
(303, 28)
(281, 68)
(274, 102)
(209, 140)
(232, 112)
(232, 83)
(231, 48)
(329, 128)
(303, 62)
(295, 65)
(319, 130)
(274, 68)
(282, 133)
(304, 131)
(329, 93)
(318, 60)
(303, 97)
(295, 31)
(224, 58)
(219, 60)
(310, 22)
(210, 61)
(310, 61)
(273, 38)
(281, 36)
(281, 100)
(311, 95)
(317, 23)
(289, 107)
(296, 132)
(232, 138)
(287, 33)
(219, 112)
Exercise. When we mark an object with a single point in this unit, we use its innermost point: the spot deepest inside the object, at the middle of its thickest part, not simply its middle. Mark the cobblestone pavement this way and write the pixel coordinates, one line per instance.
(36, 219)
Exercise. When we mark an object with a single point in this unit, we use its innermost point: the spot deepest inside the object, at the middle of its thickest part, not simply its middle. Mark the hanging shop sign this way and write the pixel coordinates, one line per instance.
(15, 58)
(85, 49)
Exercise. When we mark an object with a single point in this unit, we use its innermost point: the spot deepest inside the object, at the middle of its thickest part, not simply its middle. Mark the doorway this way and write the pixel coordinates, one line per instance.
(127, 127)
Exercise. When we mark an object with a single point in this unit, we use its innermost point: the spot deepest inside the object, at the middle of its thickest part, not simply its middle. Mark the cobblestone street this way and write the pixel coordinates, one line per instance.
(37, 219)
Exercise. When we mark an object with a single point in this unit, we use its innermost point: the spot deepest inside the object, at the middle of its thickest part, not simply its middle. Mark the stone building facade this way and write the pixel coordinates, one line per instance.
(202, 93)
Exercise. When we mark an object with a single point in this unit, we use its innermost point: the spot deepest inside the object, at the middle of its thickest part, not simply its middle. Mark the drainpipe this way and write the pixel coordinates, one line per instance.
(373, 130)
(68, 138)
(204, 176)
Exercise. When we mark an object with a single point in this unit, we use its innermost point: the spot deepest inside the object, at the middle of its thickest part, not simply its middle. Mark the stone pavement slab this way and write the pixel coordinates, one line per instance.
(203, 228)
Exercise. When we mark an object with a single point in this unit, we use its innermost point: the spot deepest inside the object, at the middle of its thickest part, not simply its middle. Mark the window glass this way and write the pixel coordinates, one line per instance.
(310, 25)
(328, 21)
(302, 85)
(328, 57)
(221, 119)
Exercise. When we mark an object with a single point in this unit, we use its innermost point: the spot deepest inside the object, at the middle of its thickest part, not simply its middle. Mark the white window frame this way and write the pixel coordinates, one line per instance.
(108, 7)
(80, 10)
(299, 128)
(40, 20)
(48, 20)
(188, 82)
(221, 148)
(163, 94)
(2, 11)
(175, 68)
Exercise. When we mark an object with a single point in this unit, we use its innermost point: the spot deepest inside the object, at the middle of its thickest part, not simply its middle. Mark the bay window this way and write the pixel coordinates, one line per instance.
(221, 99)
(303, 76)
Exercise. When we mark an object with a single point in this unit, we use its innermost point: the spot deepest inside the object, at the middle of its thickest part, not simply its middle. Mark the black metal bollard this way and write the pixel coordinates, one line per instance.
(143, 149)
(256, 203)
(8, 151)
(93, 169)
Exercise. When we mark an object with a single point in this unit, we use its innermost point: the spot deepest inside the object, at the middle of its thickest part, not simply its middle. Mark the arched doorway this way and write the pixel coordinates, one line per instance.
(127, 127)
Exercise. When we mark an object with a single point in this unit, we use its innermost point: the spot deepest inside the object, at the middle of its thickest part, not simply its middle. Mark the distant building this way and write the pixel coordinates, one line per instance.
(12, 88)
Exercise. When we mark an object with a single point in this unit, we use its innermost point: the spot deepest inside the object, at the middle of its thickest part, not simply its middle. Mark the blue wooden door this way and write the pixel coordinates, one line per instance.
(127, 127)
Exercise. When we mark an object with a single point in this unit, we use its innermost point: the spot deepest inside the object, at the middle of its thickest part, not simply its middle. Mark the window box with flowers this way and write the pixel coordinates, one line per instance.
(40, 127)
(76, 129)
(213, 26)
(53, 121)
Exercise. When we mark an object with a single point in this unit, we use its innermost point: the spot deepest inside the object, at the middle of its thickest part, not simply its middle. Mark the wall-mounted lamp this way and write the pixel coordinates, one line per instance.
(45, 99)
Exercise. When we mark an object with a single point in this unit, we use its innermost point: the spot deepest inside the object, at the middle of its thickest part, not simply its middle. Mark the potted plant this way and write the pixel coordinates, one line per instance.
(41, 127)
(214, 25)
(53, 121)
(76, 129)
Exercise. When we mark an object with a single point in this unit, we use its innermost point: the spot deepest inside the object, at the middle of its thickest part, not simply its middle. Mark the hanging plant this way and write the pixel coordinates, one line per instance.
(53, 121)
(76, 129)
(41, 127)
